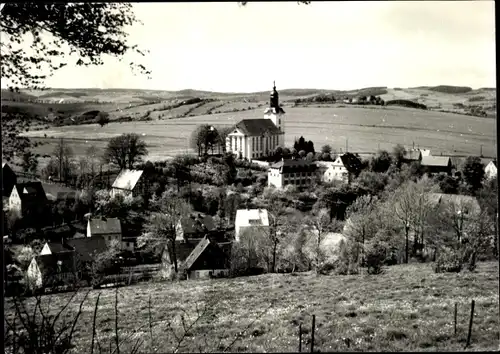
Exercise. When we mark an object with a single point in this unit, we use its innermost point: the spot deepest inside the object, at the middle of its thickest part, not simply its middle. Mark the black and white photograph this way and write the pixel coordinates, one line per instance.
(287, 176)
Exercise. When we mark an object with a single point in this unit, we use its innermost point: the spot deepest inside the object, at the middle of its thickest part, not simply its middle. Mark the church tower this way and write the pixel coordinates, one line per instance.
(274, 111)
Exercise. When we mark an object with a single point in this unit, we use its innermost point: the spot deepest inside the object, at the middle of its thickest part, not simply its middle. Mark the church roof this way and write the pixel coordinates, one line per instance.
(255, 127)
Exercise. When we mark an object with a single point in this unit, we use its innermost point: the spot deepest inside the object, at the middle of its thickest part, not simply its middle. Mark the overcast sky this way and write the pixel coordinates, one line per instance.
(326, 45)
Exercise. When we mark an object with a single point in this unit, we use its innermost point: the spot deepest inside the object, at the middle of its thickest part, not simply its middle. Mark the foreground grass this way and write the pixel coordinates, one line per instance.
(407, 308)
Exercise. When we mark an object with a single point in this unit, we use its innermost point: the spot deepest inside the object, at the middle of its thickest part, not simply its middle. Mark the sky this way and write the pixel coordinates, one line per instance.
(226, 47)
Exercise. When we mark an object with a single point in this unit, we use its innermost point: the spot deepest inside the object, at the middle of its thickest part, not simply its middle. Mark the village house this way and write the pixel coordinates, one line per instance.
(110, 229)
(437, 164)
(462, 204)
(128, 183)
(343, 169)
(413, 155)
(250, 219)
(55, 247)
(254, 138)
(490, 171)
(207, 260)
(28, 199)
(196, 226)
(50, 270)
(291, 171)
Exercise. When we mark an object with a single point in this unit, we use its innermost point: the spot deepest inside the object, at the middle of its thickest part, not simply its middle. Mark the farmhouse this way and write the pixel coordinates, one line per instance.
(207, 260)
(9, 180)
(491, 169)
(52, 270)
(28, 199)
(55, 247)
(413, 155)
(253, 138)
(291, 171)
(257, 219)
(109, 228)
(86, 248)
(342, 169)
(437, 164)
(195, 226)
(128, 182)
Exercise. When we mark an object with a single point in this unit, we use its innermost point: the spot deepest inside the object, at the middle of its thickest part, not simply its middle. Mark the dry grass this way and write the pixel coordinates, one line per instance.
(409, 308)
(366, 129)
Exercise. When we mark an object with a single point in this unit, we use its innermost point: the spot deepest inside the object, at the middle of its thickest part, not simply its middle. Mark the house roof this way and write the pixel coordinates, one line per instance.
(32, 191)
(196, 253)
(291, 165)
(350, 161)
(127, 179)
(457, 200)
(250, 217)
(493, 162)
(437, 161)
(105, 226)
(413, 155)
(51, 264)
(197, 224)
(87, 247)
(57, 247)
(257, 127)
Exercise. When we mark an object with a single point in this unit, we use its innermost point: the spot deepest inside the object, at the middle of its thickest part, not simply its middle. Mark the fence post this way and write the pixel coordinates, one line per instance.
(300, 338)
(312, 333)
(455, 317)
(470, 323)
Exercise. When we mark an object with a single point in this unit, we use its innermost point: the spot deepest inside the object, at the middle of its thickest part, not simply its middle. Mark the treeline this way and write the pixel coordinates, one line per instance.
(406, 103)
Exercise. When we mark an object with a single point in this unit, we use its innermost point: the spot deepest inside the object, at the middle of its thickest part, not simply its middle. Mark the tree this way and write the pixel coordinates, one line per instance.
(125, 150)
(102, 118)
(381, 162)
(398, 154)
(473, 172)
(223, 132)
(91, 30)
(30, 162)
(63, 154)
(160, 228)
(361, 224)
(320, 223)
(326, 149)
(204, 138)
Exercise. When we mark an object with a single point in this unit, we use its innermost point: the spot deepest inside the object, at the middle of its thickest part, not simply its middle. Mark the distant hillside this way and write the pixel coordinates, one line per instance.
(445, 88)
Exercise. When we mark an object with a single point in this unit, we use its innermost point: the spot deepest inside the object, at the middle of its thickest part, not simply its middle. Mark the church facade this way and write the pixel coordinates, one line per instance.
(254, 138)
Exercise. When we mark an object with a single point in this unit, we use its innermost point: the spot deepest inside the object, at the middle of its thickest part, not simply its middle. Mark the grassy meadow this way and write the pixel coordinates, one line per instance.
(408, 308)
(365, 129)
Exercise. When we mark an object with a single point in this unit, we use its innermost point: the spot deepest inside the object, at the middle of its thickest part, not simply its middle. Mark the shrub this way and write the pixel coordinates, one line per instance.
(448, 261)
(375, 256)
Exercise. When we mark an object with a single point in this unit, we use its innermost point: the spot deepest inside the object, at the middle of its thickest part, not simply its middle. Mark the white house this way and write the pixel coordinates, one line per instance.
(27, 199)
(253, 138)
(128, 182)
(341, 169)
(248, 219)
(291, 171)
(110, 229)
(491, 169)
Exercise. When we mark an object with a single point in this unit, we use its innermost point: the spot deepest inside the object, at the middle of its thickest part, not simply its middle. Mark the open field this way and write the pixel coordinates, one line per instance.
(408, 308)
(364, 129)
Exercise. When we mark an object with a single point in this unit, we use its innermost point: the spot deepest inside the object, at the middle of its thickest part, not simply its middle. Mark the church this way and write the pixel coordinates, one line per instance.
(254, 138)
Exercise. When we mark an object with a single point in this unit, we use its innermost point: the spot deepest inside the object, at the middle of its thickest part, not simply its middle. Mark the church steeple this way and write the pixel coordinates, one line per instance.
(274, 101)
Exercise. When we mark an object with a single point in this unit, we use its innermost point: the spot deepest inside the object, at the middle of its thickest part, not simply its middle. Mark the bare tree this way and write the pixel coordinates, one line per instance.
(125, 150)
(320, 223)
(161, 227)
(63, 154)
(362, 223)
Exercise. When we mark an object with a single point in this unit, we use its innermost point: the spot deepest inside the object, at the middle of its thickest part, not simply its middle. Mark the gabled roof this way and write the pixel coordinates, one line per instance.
(351, 162)
(197, 224)
(291, 165)
(196, 253)
(493, 162)
(437, 161)
(250, 217)
(127, 179)
(86, 248)
(58, 247)
(413, 155)
(51, 264)
(105, 226)
(31, 191)
(457, 200)
(257, 127)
